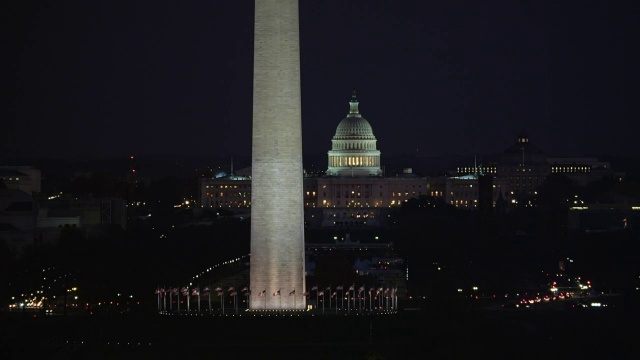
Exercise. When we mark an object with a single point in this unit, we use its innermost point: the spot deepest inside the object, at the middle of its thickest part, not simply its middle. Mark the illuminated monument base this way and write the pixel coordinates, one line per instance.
(277, 275)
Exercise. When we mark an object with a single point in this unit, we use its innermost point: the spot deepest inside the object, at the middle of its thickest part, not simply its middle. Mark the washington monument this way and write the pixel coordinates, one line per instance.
(277, 274)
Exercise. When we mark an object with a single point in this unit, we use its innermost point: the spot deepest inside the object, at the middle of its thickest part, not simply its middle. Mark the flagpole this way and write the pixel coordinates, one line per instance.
(395, 298)
(392, 295)
(210, 299)
(198, 298)
(179, 289)
(188, 302)
(170, 299)
(354, 297)
(386, 299)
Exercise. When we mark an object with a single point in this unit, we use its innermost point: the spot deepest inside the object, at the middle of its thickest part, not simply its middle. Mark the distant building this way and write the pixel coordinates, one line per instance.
(88, 211)
(18, 219)
(25, 178)
(474, 191)
(581, 170)
(354, 192)
(602, 218)
(522, 169)
(225, 191)
(25, 222)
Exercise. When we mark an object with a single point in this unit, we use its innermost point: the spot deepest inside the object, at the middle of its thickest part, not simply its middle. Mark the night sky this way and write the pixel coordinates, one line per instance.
(96, 79)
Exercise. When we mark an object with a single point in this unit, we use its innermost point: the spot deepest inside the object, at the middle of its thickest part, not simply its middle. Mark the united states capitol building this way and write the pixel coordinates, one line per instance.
(354, 192)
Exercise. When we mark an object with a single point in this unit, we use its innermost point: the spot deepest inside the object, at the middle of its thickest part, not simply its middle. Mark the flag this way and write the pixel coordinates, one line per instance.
(314, 288)
(293, 292)
(328, 288)
(218, 288)
(262, 293)
(361, 289)
(350, 288)
(370, 291)
(233, 293)
(245, 289)
(306, 293)
(321, 294)
(185, 291)
(157, 291)
(380, 289)
(195, 292)
(206, 288)
(339, 287)
(334, 294)
(174, 291)
(277, 293)
(247, 293)
(231, 289)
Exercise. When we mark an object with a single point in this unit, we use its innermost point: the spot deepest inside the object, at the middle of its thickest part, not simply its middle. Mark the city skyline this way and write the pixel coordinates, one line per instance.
(102, 81)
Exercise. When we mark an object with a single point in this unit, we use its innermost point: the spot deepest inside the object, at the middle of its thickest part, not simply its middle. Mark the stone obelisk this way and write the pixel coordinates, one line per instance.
(277, 274)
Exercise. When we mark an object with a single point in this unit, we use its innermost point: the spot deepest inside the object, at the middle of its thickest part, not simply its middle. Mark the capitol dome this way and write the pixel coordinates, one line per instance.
(354, 127)
(353, 151)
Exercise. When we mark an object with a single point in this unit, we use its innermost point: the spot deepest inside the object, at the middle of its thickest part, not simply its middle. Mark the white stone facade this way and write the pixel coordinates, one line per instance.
(277, 214)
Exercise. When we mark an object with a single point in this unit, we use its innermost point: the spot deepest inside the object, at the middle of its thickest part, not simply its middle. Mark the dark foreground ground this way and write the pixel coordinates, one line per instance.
(604, 333)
